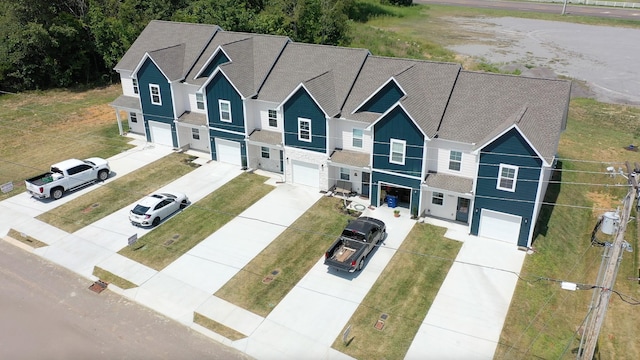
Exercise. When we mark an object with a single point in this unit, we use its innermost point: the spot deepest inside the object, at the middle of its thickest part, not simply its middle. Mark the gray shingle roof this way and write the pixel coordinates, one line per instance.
(170, 60)
(165, 34)
(251, 55)
(351, 158)
(193, 118)
(448, 182)
(335, 67)
(127, 102)
(266, 137)
(482, 105)
(427, 86)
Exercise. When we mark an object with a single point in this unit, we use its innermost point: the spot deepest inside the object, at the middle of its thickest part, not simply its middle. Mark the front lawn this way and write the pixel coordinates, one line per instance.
(292, 255)
(179, 234)
(117, 194)
(404, 293)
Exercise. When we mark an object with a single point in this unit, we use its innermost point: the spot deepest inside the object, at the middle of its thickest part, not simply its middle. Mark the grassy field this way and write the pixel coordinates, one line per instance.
(179, 234)
(543, 319)
(404, 292)
(292, 253)
(41, 128)
(117, 194)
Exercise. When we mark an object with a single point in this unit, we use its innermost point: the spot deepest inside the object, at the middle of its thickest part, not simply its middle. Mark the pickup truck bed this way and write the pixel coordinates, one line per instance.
(357, 240)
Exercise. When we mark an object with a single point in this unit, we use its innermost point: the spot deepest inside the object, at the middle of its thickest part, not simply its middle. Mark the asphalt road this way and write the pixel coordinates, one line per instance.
(48, 312)
(552, 8)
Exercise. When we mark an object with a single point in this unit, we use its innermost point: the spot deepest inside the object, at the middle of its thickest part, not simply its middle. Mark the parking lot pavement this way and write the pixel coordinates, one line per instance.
(315, 311)
(467, 315)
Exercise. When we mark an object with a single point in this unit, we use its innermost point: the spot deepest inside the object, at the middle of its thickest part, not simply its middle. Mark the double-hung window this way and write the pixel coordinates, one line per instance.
(135, 86)
(357, 138)
(507, 177)
(437, 198)
(273, 118)
(344, 174)
(133, 117)
(195, 134)
(264, 152)
(398, 151)
(200, 101)
(455, 160)
(225, 110)
(304, 129)
(154, 90)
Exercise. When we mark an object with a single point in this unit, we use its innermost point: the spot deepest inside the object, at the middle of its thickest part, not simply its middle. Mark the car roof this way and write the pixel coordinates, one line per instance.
(152, 200)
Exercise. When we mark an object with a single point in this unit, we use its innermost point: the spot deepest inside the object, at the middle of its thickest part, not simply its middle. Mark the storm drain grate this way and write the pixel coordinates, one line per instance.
(98, 286)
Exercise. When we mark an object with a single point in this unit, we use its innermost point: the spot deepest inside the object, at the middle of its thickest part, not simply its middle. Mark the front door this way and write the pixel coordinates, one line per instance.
(462, 212)
(366, 178)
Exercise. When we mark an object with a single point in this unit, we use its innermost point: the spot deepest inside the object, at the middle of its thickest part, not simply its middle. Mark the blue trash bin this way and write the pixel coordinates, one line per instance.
(392, 201)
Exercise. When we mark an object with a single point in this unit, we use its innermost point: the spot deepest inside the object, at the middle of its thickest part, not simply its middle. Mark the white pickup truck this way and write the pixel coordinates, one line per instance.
(67, 175)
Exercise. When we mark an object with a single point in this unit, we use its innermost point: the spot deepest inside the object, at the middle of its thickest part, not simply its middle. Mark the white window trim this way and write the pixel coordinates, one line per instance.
(136, 89)
(263, 152)
(515, 177)
(133, 117)
(198, 102)
(300, 122)
(439, 197)
(269, 118)
(346, 172)
(361, 138)
(451, 161)
(404, 151)
(195, 133)
(155, 86)
(220, 103)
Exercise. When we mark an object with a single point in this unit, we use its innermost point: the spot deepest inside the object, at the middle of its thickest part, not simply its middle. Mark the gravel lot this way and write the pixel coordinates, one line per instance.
(604, 58)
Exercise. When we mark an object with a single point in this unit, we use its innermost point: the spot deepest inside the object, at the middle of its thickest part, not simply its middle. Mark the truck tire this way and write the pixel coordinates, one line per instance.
(156, 221)
(56, 193)
(103, 175)
(360, 264)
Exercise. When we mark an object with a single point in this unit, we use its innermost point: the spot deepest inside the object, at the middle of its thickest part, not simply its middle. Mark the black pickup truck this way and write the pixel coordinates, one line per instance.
(358, 238)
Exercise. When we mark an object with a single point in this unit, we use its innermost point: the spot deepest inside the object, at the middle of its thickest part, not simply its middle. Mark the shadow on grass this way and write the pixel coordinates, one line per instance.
(550, 198)
(363, 11)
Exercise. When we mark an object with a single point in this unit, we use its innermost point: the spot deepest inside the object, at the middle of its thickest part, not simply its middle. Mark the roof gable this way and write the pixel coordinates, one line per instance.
(503, 132)
(216, 59)
(382, 99)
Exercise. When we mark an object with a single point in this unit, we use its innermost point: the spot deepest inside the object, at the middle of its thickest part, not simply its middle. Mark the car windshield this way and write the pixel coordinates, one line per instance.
(353, 235)
(140, 210)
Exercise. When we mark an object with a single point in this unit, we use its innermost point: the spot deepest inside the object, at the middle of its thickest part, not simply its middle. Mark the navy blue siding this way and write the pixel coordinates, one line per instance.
(302, 105)
(522, 201)
(384, 99)
(401, 181)
(220, 88)
(217, 60)
(397, 125)
(150, 74)
(213, 134)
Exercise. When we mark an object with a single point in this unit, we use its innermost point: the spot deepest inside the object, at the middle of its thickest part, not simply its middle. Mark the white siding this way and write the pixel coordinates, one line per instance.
(258, 116)
(438, 155)
(341, 135)
(445, 211)
(127, 84)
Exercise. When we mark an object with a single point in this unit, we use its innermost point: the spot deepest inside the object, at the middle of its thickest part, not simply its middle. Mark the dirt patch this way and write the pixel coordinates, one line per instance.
(602, 201)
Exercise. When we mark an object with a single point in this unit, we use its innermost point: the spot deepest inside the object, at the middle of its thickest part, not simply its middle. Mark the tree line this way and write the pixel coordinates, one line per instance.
(64, 43)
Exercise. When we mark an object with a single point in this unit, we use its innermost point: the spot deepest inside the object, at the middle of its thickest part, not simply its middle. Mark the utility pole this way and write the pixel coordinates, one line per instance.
(607, 275)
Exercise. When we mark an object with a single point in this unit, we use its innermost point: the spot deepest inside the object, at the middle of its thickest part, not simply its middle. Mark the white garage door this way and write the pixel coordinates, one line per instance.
(500, 226)
(305, 174)
(228, 152)
(160, 133)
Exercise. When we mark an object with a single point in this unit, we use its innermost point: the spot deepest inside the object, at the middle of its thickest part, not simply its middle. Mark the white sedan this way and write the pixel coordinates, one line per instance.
(157, 207)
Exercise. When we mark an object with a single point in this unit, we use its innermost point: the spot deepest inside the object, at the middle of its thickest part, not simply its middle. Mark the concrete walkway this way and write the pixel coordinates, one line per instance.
(465, 320)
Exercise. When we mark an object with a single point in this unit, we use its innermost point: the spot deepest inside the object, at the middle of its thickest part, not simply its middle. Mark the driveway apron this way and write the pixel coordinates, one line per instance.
(467, 315)
(312, 315)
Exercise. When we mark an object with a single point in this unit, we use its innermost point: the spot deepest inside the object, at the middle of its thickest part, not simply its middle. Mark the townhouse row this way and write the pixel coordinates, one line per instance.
(470, 147)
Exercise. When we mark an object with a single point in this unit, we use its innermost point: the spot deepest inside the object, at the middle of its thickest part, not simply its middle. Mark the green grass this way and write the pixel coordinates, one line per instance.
(292, 253)
(111, 278)
(176, 236)
(42, 128)
(405, 291)
(217, 327)
(25, 239)
(108, 198)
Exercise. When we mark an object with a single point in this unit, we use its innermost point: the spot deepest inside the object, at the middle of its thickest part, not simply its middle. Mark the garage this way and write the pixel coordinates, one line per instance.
(228, 152)
(160, 133)
(499, 226)
(305, 174)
